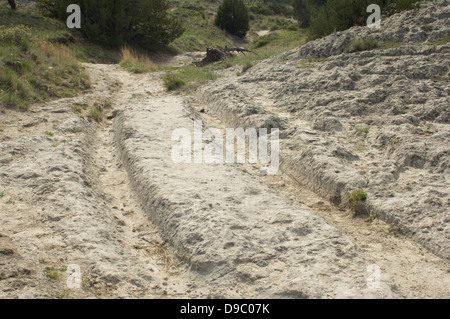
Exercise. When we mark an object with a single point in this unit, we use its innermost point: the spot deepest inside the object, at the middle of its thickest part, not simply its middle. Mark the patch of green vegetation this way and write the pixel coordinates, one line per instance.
(88, 52)
(96, 114)
(276, 44)
(49, 133)
(32, 67)
(371, 218)
(2, 194)
(280, 42)
(441, 41)
(308, 63)
(11, 202)
(86, 282)
(200, 30)
(362, 129)
(356, 201)
(364, 44)
(198, 19)
(189, 77)
(270, 7)
(357, 196)
(390, 45)
(137, 63)
(172, 82)
(136, 67)
(248, 65)
(265, 40)
(51, 273)
(63, 295)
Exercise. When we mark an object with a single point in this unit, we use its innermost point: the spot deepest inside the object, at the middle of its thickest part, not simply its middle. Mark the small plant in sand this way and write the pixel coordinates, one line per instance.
(309, 63)
(371, 218)
(50, 273)
(362, 129)
(172, 82)
(356, 201)
(96, 114)
(63, 295)
(358, 196)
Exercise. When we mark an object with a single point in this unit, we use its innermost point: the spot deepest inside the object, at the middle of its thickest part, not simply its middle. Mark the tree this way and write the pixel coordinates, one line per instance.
(232, 16)
(304, 9)
(339, 15)
(12, 3)
(144, 23)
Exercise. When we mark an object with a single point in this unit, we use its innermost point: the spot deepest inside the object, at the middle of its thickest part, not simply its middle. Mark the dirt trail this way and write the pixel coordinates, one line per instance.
(416, 272)
(72, 197)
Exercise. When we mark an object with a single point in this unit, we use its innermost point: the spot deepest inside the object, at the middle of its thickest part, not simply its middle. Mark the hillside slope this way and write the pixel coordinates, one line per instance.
(376, 120)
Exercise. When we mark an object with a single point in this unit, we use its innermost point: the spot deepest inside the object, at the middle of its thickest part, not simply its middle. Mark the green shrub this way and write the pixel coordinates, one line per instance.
(265, 40)
(232, 16)
(17, 35)
(33, 69)
(337, 15)
(172, 82)
(96, 114)
(120, 22)
(358, 196)
(248, 65)
(401, 5)
(304, 9)
(51, 273)
(291, 27)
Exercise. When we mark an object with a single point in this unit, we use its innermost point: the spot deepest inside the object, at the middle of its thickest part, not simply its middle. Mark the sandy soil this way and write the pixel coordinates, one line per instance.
(70, 196)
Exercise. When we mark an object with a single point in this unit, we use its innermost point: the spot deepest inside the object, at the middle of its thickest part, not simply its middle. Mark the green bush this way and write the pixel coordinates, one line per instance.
(402, 5)
(232, 16)
(116, 23)
(18, 35)
(270, 7)
(265, 40)
(304, 9)
(291, 27)
(172, 82)
(338, 15)
(358, 196)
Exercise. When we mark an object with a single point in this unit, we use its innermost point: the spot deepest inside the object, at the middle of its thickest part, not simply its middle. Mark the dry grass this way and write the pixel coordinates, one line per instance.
(136, 62)
(38, 71)
(60, 54)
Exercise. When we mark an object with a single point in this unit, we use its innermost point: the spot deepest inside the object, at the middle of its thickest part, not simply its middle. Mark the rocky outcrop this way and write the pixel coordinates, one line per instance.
(236, 233)
(375, 120)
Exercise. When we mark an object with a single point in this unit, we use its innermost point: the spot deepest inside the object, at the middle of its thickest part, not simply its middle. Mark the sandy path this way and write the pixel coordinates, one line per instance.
(109, 198)
(238, 236)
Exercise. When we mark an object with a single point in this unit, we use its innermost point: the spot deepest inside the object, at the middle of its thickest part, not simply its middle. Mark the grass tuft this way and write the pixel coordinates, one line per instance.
(358, 196)
(35, 70)
(50, 273)
(137, 63)
(364, 44)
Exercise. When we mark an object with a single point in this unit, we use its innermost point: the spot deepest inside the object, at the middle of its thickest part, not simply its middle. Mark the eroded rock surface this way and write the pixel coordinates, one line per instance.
(375, 120)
